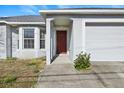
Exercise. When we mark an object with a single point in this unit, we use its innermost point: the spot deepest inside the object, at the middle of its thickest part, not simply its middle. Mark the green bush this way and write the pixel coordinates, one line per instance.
(9, 79)
(82, 61)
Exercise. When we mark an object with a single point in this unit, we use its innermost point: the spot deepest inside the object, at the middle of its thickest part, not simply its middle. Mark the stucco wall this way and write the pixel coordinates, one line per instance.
(52, 31)
(30, 53)
(54, 41)
(77, 33)
(16, 52)
(8, 41)
(70, 42)
(15, 38)
(2, 41)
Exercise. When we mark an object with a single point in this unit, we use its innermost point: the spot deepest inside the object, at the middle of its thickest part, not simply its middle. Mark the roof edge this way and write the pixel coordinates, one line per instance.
(19, 23)
(84, 11)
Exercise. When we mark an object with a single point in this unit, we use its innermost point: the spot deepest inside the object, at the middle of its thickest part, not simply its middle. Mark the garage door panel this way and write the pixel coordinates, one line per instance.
(105, 33)
(107, 55)
(105, 43)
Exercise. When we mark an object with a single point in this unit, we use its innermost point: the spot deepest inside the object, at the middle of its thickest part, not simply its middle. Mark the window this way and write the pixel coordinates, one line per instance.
(28, 38)
(42, 39)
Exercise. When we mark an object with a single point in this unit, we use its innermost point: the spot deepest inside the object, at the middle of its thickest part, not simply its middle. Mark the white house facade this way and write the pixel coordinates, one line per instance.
(99, 32)
(22, 37)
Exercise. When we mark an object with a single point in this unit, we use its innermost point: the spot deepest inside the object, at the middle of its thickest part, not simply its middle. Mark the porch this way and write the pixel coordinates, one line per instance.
(67, 45)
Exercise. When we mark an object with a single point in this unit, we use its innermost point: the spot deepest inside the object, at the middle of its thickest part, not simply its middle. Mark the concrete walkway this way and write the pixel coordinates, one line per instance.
(62, 59)
(103, 74)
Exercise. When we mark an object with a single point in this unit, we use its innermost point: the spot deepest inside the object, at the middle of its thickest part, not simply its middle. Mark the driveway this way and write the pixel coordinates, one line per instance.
(103, 74)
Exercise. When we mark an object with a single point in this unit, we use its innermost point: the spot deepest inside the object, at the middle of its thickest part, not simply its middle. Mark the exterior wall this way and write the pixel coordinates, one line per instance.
(2, 41)
(75, 37)
(15, 38)
(53, 40)
(77, 41)
(48, 40)
(8, 41)
(77, 31)
(9, 37)
(5, 41)
(30, 53)
(89, 38)
(105, 42)
(70, 42)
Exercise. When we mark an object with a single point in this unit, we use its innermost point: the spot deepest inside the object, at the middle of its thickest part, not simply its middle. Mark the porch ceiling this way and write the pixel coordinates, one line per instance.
(61, 21)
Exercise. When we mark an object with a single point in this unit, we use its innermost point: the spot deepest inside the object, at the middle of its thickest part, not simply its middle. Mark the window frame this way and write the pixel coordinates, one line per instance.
(28, 38)
(41, 30)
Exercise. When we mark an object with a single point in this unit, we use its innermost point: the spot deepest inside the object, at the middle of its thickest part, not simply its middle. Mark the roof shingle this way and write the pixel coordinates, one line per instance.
(24, 18)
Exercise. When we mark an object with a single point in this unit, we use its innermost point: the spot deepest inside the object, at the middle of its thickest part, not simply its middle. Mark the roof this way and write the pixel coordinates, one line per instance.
(24, 18)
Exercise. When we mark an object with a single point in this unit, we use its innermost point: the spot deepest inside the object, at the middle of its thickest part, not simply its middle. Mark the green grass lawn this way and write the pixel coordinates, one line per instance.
(16, 73)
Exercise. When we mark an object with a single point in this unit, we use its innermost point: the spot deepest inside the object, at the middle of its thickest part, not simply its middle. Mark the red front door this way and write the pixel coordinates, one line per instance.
(61, 37)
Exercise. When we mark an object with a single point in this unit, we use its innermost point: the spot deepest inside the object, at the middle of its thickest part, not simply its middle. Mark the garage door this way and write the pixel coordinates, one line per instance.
(105, 41)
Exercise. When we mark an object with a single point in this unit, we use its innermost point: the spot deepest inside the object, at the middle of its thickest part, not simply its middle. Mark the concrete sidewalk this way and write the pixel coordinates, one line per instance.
(65, 76)
(62, 59)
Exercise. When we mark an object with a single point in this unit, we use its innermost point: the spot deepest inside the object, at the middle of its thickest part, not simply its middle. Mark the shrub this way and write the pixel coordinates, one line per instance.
(82, 61)
(9, 79)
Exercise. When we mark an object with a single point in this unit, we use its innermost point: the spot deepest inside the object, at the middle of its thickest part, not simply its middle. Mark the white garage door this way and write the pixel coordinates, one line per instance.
(105, 41)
